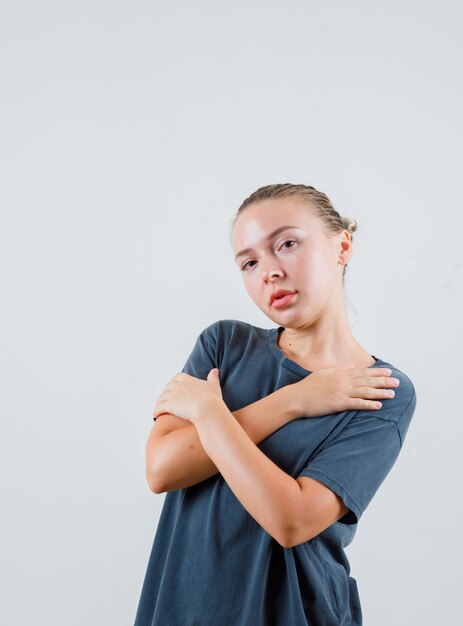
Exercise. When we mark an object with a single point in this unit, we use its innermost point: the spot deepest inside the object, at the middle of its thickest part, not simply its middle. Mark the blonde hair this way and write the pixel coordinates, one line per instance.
(318, 201)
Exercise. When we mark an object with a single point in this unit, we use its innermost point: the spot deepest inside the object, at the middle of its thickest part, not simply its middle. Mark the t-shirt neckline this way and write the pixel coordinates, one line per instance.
(286, 362)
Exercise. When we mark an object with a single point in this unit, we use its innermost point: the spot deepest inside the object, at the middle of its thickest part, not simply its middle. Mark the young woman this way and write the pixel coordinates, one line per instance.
(271, 443)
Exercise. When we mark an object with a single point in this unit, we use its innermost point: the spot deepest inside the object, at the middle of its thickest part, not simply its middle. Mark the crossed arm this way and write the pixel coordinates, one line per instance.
(180, 453)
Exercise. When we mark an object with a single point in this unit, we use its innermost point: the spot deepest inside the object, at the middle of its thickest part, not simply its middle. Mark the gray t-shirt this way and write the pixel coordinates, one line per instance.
(211, 563)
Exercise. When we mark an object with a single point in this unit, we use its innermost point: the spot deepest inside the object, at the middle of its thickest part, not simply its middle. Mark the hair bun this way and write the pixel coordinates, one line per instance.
(349, 224)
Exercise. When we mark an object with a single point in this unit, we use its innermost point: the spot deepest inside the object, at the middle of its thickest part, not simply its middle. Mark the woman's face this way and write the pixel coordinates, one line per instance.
(303, 259)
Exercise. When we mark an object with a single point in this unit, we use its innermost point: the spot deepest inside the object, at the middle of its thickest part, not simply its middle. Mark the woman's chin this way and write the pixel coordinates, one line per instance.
(284, 318)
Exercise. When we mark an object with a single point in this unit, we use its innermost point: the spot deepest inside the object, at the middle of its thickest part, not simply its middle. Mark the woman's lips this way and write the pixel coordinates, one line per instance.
(279, 303)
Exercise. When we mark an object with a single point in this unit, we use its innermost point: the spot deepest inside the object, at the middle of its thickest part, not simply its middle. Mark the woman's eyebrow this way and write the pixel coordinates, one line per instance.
(269, 236)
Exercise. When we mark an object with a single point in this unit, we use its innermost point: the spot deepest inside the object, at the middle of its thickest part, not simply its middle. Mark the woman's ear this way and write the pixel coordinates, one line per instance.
(346, 247)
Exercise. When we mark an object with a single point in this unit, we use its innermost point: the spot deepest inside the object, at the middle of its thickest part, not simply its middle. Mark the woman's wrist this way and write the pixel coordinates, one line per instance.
(208, 410)
(288, 402)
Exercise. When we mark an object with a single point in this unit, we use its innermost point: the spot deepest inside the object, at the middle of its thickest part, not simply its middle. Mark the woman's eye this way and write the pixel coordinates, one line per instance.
(246, 264)
(288, 241)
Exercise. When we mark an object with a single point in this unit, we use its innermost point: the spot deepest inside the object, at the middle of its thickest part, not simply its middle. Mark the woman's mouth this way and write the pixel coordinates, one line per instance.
(279, 303)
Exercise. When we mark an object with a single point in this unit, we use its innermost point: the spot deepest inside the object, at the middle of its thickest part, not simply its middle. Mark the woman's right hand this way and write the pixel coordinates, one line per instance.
(332, 390)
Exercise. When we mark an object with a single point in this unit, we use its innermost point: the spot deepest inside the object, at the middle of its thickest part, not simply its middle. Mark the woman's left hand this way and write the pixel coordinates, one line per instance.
(188, 397)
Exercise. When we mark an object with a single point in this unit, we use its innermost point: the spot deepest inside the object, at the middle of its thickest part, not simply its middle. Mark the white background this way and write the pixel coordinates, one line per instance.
(130, 134)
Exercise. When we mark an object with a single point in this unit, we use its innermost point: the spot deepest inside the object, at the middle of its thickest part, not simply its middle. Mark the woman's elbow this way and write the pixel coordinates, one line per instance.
(155, 481)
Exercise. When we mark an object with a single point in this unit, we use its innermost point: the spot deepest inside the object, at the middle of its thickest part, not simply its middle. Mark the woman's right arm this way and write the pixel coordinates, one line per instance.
(175, 458)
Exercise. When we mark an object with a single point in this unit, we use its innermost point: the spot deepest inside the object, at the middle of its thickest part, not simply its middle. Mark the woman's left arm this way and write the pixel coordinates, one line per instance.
(277, 501)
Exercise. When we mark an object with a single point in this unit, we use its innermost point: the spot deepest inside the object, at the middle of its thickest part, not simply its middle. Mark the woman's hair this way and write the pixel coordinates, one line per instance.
(318, 201)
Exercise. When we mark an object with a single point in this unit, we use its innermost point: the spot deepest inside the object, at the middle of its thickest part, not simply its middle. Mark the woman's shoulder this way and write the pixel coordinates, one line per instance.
(406, 386)
(229, 339)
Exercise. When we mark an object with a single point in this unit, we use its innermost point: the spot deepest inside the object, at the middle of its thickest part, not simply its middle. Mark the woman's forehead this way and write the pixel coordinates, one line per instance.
(261, 219)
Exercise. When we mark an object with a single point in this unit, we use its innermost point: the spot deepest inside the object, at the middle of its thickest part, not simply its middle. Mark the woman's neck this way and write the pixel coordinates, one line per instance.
(332, 349)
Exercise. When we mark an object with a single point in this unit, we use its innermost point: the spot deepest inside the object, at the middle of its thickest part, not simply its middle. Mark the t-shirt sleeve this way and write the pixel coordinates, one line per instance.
(357, 460)
(202, 358)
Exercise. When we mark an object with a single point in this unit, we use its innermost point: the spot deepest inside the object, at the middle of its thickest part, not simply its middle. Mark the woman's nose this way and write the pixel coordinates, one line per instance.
(270, 272)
